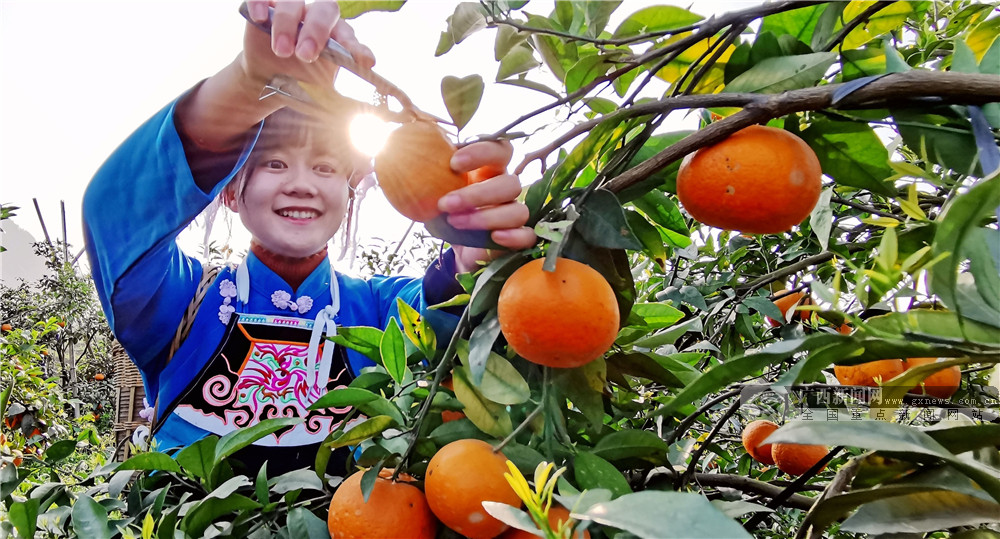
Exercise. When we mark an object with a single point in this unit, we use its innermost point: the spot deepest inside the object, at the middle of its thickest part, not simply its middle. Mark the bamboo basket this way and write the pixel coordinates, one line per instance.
(129, 394)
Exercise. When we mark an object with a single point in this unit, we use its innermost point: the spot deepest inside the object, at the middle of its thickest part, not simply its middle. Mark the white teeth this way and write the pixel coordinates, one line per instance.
(296, 214)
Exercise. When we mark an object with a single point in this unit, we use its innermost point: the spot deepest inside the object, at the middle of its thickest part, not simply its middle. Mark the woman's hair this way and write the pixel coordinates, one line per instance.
(287, 128)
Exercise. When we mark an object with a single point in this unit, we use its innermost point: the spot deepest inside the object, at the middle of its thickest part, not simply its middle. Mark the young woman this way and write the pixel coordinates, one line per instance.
(220, 352)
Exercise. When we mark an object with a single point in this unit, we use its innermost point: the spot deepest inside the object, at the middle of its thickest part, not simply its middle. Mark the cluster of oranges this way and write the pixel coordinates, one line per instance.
(941, 384)
(459, 478)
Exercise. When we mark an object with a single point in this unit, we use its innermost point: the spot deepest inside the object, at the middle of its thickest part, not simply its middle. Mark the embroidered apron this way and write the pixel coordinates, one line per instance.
(269, 366)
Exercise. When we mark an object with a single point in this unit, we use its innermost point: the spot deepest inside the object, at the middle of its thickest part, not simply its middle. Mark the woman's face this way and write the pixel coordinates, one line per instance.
(294, 199)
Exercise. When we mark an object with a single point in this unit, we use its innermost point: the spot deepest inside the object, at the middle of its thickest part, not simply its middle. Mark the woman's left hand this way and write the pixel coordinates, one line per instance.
(489, 204)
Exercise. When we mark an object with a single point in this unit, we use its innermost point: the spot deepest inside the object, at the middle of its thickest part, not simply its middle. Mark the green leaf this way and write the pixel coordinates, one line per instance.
(490, 417)
(360, 338)
(584, 386)
(956, 228)
(655, 19)
(596, 15)
(519, 60)
(943, 137)
(350, 9)
(344, 397)
(648, 236)
(500, 381)
(59, 451)
(417, 329)
(479, 348)
(90, 519)
(664, 179)
(664, 515)
(296, 480)
(197, 459)
(798, 23)
(24, 516)
(776, 75)
(586, 152)
(888, 19)
(642, 365)
(657, 315)
(382, 406)
(966, 437)
(507, 38)
(586, 70)
(926, 511)
(663, 211)
(737, 368)
(467, 19)
(462, 97)
(393, 353)
(602, 222)
(850, 153)
(531, 85)
(362, 431)
(626, 444)
(236, 440)
(207, 511)
(591, 472)
(303, 524)
(150, 462)
(445, 43)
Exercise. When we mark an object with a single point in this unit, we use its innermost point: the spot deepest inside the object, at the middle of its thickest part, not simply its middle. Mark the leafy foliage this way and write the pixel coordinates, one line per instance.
(899, 101)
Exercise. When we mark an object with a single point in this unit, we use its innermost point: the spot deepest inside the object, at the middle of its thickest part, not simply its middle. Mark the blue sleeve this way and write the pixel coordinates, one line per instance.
(133, 209)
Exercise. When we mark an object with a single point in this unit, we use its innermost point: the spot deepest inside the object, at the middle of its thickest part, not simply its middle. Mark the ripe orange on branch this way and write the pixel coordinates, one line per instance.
(786, 302)
(871, 374)
(797, 459)
(753, 434)
(414, 169)
(394, 509)
(460, 477)
(760, 180)
(563, 318)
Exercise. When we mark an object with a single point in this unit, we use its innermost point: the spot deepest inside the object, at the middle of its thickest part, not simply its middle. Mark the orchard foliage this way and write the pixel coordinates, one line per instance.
(901, 103)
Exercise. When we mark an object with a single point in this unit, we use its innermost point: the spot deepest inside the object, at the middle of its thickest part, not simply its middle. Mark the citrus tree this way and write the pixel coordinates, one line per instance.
(769, 300)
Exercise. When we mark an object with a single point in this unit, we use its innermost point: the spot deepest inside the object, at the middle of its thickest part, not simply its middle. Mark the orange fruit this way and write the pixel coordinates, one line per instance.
(796, 459)
(394, 509)
(753, 434)
(557, 515)
(99, 376)
(871, 374)
(6, 327)
(414, 169)
(460, 477)
(845, 329)
(485, 173)
(942, 384)
(564, 318)
(451, 415)
(760, 180)
(786, 302)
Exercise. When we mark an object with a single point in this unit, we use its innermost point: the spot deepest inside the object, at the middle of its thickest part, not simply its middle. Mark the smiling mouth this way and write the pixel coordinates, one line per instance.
(299, 214)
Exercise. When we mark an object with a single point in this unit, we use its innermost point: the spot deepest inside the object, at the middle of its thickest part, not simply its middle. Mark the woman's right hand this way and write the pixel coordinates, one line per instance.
(296, 52)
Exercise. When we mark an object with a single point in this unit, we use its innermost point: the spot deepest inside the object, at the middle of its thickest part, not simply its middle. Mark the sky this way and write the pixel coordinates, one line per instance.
(77, 77)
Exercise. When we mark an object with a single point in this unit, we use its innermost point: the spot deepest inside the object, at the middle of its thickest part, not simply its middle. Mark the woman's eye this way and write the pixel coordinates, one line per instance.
(325, 169)
(274, 164)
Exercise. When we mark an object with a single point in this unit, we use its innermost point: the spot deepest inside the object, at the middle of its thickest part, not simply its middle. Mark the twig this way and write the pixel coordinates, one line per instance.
(849, 27)
(686, 423)
(864, 208)
(793, 268)
(721, 422)
(534, 413)
(742, 483)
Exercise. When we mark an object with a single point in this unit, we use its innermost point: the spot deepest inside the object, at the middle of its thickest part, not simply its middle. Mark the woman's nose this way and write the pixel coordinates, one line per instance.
(300, 182)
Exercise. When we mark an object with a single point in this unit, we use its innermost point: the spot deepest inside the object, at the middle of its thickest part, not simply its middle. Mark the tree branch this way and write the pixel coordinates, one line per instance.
(741, 483)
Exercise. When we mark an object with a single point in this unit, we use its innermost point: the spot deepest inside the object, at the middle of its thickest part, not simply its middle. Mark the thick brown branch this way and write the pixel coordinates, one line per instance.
(896, 88)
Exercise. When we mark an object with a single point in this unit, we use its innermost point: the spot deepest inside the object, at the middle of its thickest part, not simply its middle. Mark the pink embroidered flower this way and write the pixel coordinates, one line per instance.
(281, 299)
(227, 289)
(304, 303)
(147, 410)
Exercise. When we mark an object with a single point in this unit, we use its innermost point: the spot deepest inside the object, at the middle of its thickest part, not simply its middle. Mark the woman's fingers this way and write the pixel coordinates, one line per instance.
(317, 26)
(497, 190)
(285, 27)
(510, 215)
(481, 154)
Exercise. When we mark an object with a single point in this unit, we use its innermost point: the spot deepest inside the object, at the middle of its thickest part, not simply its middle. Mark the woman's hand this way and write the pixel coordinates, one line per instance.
(490, 204)
(292, 51)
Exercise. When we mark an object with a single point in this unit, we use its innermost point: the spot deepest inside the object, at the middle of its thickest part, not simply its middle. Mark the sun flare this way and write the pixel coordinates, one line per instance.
(368, 133)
